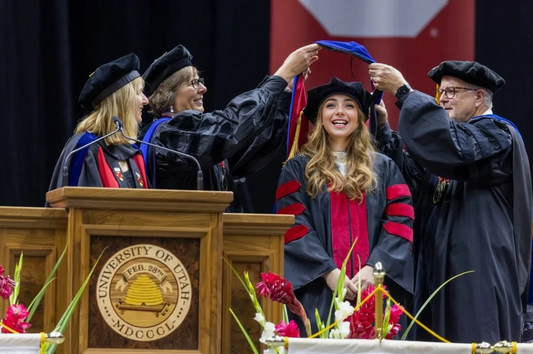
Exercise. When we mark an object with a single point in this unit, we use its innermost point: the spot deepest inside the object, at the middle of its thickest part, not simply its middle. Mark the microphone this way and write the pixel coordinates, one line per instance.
(199, 175)
(69, 156)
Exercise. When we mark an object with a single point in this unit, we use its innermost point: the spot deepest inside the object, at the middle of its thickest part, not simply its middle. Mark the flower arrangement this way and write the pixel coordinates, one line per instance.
(17, 318)
(352, 320)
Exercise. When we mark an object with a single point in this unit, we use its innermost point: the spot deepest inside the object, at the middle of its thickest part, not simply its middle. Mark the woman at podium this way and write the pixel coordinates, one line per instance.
(230, 143)
(343, 192)
(88, 159)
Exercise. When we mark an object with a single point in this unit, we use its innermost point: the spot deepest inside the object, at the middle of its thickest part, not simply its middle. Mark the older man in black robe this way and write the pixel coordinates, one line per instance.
(470, 179)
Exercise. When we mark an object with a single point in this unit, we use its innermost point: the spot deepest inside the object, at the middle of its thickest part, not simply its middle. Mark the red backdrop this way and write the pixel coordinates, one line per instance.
(449, 35)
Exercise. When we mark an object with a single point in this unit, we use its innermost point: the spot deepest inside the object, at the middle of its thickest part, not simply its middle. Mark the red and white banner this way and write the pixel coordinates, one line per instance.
(411, 35)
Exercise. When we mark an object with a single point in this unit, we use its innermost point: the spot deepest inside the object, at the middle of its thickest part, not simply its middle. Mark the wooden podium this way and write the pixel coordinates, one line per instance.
(161, 285)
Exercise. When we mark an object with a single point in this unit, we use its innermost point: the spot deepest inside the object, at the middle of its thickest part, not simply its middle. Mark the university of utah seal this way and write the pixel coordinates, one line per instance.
(144, 292)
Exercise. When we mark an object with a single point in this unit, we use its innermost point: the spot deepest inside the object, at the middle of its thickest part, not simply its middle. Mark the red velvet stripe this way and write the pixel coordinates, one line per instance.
(296, 232)
(106, 175)
(400, 230)
(340, 228)
(397, 191)
(361, 250)
(348, 223)
(294, 209)
(287, 188)
(139, 161)
(400, 209)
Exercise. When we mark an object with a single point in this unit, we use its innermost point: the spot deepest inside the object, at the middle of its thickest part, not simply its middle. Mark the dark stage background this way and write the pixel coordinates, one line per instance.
(48, 49)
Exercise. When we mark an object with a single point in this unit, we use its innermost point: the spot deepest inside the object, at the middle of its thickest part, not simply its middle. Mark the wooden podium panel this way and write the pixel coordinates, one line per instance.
(158, 285)
(179, 230)
(252, 243)
(39, 234)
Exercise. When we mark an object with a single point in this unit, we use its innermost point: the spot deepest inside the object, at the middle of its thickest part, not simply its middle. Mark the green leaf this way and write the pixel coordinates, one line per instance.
(13, 298)
(63, 322)
(37, 300)
(320, 325)
(386, 318)
(250, 342)
(253, 294)
(285, 314)
(340, 284)
(429, 299)
(246, 285)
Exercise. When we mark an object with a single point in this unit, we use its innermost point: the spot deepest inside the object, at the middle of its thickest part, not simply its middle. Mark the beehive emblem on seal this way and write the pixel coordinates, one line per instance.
(144, 292)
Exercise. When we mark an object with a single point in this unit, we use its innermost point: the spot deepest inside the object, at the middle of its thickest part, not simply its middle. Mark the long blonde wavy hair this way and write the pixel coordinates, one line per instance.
(321, 169)
(122, 103)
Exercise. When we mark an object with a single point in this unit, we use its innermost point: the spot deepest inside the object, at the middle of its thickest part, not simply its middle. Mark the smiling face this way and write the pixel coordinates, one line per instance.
(340, 115)
(190, 98)
(465, 104)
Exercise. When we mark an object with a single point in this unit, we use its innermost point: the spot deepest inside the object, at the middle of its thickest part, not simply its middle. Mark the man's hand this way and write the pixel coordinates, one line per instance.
(386, 78)
(367, 277)
(331, 279)
(382, 114)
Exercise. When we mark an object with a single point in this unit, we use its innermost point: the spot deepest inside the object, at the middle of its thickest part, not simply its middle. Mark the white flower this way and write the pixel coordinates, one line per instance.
(268, 331)
(345, 329)
(279, 350)
(335, 334)
(344, 310)
(260, 318)
(341, 332)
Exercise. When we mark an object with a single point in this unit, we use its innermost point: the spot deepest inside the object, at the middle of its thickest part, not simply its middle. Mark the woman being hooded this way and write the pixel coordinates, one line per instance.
(114, 89)
(241, 138)
(341, 191)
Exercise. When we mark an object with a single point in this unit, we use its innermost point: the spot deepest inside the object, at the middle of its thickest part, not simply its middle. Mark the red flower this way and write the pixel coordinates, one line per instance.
(288, 329)
(15, 316)
(6, 285)
(278, 289)
(395, 314)
(362, 320)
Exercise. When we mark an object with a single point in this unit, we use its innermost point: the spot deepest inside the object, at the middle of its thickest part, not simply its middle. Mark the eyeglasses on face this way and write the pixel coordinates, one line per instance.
(450, 91)
(195, 83)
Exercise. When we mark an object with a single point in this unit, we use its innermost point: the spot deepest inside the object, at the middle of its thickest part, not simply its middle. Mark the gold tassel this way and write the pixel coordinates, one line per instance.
(294, 148)
(437, 94)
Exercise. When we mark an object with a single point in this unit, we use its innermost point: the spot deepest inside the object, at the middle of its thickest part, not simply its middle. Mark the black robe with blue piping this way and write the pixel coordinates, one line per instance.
(229, 144)
(481, 223)
(326, 226)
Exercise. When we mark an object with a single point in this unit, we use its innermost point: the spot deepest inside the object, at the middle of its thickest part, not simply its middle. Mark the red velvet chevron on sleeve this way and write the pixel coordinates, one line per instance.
(294, 209)
(296, 232)
(401, 230)
(400, 209)
(397, 191)
(287, 188)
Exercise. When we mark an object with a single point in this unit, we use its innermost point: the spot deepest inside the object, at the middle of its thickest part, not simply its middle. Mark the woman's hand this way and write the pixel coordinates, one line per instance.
(331, 279)
(382, 114)
(367, 277)
(298, 61)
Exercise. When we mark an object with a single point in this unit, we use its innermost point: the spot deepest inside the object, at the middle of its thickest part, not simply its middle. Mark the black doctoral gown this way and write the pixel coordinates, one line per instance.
(229, 144)
(98, 165)
(482, 222)
(326, 226)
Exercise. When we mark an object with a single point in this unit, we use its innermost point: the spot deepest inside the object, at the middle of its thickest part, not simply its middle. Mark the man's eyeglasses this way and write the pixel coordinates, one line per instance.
(450, 91)
(196, 83)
